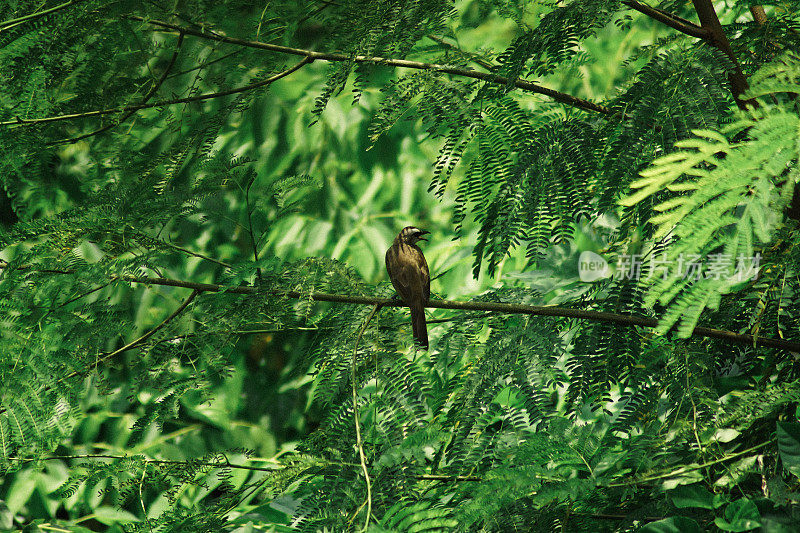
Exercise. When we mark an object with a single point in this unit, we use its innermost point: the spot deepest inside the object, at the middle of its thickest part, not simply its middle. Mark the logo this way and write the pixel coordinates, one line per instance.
(592, 267)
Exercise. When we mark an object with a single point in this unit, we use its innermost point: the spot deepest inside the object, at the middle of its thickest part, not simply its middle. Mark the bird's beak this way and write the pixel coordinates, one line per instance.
(423, 232)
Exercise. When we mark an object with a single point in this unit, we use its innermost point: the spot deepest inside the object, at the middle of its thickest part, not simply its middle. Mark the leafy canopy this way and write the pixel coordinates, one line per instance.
(182, 180)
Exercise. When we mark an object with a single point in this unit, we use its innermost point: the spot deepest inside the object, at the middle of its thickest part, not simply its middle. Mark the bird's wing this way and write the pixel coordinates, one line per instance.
(408, 282)
(426, 278)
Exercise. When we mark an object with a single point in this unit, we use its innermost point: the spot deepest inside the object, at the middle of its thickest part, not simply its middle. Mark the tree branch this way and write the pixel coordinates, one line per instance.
(204, 64)
(759, 15)
(688, 468)
(195, 254)
(8, 24)
(130, 113)
(496, 307)
(673, 21)
(475, 58)
(133, 343)
(26, 122)
(313, 56)
(359, 443)
(718, 39)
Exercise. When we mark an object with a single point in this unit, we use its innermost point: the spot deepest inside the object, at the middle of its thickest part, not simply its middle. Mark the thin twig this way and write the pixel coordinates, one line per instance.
(134, 343)
(201, 256)
(27, 122)
(475, 58)
(686, 469)
(141, 501)
(226, 464)
(250, 222)
(422, 477)
(84, 294)
(153, 90)
(359, 443)
(8, 24)
(203, 65)
(450, 319)
(324, 6)
(441, 477)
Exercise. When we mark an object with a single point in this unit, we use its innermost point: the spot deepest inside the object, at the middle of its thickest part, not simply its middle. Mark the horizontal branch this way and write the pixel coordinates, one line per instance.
(145, 460)
(422, 477)
(496, 307)
(446, 69)
(276, 467)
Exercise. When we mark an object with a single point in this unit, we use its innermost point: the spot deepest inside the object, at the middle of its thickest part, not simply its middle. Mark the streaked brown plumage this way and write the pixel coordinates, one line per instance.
(408, 271)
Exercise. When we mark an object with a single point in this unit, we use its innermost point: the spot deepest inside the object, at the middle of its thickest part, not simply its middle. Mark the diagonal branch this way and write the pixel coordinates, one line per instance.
(153, 90)
(718, 39)
(8, 24)
(673, 21)
(496, 307)
(27, 122)
(475, 58)
(688, 468)
(134, 343)
(405, 63)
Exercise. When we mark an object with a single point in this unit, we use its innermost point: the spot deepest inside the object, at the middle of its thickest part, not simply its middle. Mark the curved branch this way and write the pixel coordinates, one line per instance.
(359, 443)
(26, 122)
(446, 69)
(673, 21)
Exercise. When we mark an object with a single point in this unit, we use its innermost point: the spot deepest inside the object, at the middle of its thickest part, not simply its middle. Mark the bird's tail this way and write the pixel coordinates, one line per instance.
(419, 326)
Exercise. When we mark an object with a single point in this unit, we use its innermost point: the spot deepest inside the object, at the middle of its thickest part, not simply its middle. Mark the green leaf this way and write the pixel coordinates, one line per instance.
(692, 496)
(741, 515)
(789, 445)
(673, 524)
(21, 490)
(687, 478)
(111, 515)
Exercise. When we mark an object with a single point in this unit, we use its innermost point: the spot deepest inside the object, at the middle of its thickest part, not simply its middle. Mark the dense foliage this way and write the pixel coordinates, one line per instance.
(195, 194)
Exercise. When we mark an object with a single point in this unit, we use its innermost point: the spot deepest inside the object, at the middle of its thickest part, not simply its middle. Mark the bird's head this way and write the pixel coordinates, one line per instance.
(412, 235)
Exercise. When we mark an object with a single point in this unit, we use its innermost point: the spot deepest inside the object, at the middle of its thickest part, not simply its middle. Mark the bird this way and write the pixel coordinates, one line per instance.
(409, 274)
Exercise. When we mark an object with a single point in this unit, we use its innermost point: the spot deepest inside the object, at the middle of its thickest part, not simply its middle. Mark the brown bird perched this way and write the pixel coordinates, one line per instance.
(408, 271)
